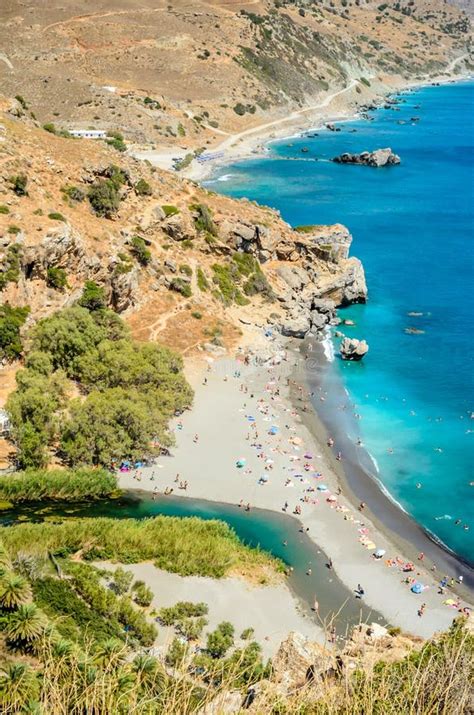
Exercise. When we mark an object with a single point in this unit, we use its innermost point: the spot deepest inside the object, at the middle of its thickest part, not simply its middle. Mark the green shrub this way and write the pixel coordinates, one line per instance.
(257, 284)
(11, 320)
(10, 269)
(202, 281)
(365, 81)
(181, 286)
(56, 278)
(246, 263)
(122, 580)
(143, 188)
(50, 127)
(181, 130)
(55, 216)
(93, 296)
(186, 270)
(19, 184)
(225, 277)
(140, 250)
(14, 230)
(21, 100)
(4, 209)
(75, 193)
(142, 594)
(170, 210)
(104, 197)
(116, 141)
(196, 314)
(203, 220)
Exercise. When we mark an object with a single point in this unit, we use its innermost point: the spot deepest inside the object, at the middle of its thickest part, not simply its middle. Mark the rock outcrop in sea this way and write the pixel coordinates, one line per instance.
(376, 159)
(353, 349)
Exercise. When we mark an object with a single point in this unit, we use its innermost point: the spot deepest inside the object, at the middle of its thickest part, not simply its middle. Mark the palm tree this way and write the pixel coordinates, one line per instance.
(14, 591)
(25, 625)
(18, 686)
(110, 653)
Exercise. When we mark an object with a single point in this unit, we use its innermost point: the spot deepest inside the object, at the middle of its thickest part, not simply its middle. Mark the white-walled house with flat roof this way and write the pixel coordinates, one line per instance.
(88, 133)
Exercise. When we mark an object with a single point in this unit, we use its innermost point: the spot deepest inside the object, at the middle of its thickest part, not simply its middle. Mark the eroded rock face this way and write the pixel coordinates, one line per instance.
(61, 248)
(299, 661)
(124, 290)
(376, 159)
(353, 349)
(179, 227)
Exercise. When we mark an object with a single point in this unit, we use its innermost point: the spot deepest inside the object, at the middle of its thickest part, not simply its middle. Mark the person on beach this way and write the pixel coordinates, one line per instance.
(421, 610)
(362, 506)
(421, 556)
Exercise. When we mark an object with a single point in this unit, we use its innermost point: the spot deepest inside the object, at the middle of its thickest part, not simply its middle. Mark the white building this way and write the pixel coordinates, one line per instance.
(4, 422)
(88, 133)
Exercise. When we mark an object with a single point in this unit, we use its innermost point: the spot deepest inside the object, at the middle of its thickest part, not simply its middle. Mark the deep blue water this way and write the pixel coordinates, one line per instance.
(413, 228)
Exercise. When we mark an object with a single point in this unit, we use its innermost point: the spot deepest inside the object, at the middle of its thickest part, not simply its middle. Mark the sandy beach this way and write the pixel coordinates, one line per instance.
(270, 610)
(244, 412)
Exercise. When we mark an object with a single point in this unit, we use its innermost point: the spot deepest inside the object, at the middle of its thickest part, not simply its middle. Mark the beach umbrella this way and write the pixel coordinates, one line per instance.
(379, 553)
(308, 456)
(264, 478)
(250, 418)
(273, 430)
(322, 488)
(240, 463)
(417, 588)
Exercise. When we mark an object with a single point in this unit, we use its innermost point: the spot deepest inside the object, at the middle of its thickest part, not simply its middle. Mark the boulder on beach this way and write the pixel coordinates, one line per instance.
(353, 349)
(376, 159)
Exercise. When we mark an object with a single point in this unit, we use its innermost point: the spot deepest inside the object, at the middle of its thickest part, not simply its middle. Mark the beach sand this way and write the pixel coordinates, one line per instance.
(270, 610)
(220, 419)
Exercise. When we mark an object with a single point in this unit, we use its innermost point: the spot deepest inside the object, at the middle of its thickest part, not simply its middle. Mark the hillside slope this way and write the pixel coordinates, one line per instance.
(187, 72)
(183, 265)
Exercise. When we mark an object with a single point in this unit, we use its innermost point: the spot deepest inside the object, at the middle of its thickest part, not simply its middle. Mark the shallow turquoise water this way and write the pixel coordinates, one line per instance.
(413, 228)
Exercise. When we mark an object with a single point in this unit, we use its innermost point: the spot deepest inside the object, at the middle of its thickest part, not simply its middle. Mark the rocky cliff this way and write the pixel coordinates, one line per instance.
(163, 248)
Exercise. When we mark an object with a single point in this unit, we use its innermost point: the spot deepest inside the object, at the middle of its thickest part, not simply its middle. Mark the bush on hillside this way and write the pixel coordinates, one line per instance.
(11, 321)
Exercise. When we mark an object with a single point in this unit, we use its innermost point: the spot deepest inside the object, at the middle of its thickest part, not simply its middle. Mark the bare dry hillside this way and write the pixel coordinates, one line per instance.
(186, 71)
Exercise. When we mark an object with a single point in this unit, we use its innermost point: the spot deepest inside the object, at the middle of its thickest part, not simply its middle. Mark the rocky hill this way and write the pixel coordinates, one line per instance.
(182, 264)
(187, 72)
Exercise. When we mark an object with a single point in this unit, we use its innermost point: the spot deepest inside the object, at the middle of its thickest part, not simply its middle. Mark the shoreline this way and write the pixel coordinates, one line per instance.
(209, 467)
(254, 143)
(361, 485)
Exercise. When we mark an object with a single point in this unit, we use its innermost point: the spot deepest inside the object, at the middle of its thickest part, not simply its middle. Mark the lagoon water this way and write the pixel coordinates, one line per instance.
(413, 228)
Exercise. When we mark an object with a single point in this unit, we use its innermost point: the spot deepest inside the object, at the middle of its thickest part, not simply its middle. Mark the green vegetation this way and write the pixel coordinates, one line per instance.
(187, 546)
(306, 228)
(10, 269)
(14, 230)
(74, 193)
(181, 130)
(203, 219)
(242, 109)
(179, 285)
(55, 216)
(104, 197)
(11, 321)
(365, 81)
(56, 485)
(143, 188)
(140, 251)
(203, 283)
(170, 210)
(19, 184)
(131, 390)
(184, 162)
(116, 141)
(241, 273)
(56, 278)
(93, 297)
(4, 209)
(50, 127)
(186, 270)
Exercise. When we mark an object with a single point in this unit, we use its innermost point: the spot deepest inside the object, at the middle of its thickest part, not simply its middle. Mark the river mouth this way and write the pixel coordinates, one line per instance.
(277, 534)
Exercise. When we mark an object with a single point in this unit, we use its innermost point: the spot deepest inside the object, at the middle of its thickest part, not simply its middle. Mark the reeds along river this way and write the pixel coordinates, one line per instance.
(258, 527)
(413, 228)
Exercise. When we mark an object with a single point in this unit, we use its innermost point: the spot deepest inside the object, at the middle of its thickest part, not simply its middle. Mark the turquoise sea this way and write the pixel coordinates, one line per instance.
(413, 228)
